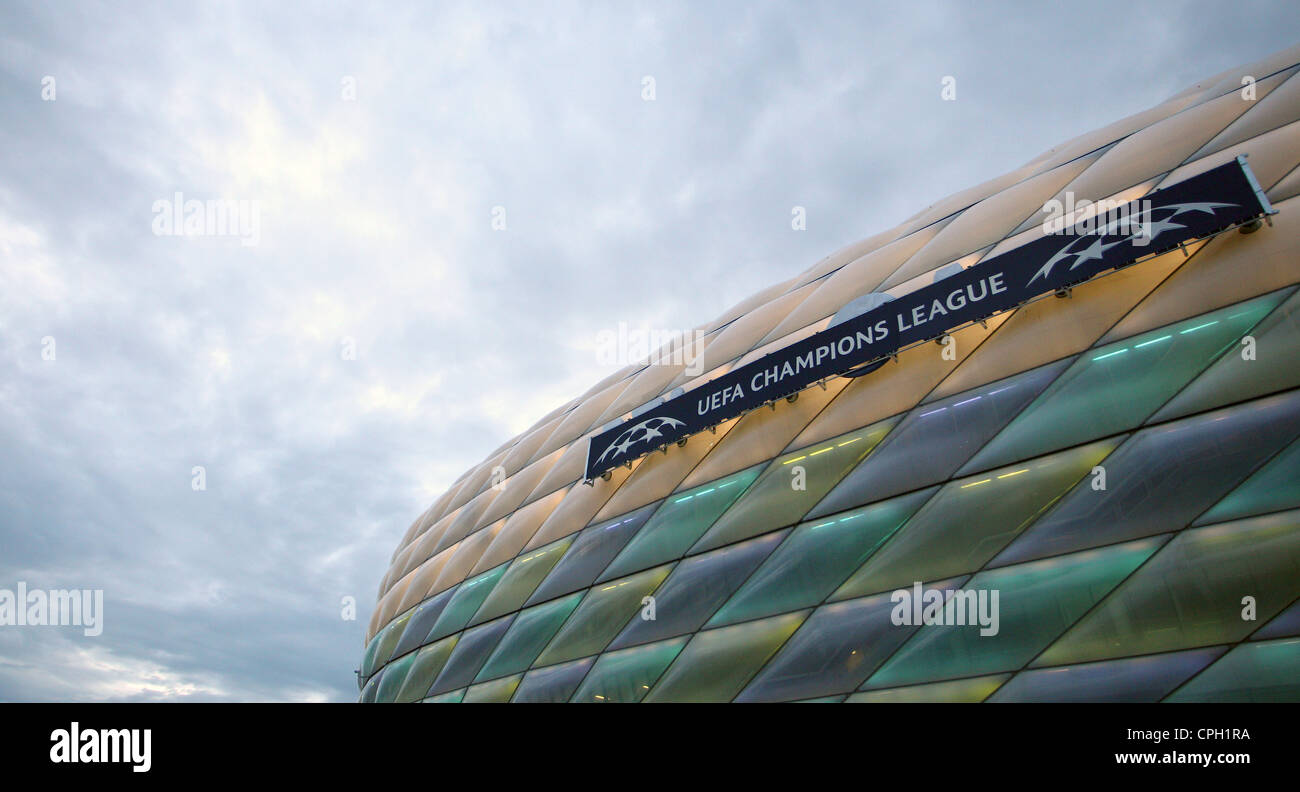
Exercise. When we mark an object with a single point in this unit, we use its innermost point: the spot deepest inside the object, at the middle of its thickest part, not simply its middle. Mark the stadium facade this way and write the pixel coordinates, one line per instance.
(1092, 494)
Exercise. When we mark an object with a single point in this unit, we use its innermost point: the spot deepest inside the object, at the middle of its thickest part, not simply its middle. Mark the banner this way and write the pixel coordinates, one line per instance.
(1198, 207)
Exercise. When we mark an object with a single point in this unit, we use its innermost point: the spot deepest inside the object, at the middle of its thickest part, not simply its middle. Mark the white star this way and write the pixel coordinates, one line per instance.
(1095, 251)
(1061, 255)
(1208, 207)
(1158, 227)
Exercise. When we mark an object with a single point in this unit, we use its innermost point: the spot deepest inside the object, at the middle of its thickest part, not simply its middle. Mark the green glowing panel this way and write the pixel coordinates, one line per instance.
(1162, 478)
(553, 684)
(1274, 487)
(453, 697)
(498, 691)
(696, 588)
(1191, 593)
(467, 599)
(391, 635)
(1270, 364)
(792, 485)
(607, 607)
(835, 649)
(1035, 603)
(718, 663)
(371, 688)
(958, 691)
(472, 650)
(368, 660)
(528, 636)
(971, 519)
(422, 620)
(678, 523)
(1268, 671)
(628, 674)
(1118, 386)
(816, 559)
(394, 676)
(428, 662)
(520, 579)
(1144, 679)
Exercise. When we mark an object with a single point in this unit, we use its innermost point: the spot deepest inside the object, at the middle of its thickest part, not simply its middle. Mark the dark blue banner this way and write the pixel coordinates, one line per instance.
(1198, 207)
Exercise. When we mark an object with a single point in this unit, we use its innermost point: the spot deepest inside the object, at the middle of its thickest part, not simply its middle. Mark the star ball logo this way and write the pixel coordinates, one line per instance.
(1138, 221)
(644, 432)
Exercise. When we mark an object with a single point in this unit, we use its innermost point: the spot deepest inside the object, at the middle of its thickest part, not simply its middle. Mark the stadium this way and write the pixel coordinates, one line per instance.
(1102, 452)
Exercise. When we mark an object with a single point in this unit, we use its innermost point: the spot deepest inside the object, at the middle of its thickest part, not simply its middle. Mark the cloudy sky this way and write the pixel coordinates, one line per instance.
(377, 141)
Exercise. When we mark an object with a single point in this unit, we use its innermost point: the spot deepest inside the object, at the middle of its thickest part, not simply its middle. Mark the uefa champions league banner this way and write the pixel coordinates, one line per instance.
(1067, 256)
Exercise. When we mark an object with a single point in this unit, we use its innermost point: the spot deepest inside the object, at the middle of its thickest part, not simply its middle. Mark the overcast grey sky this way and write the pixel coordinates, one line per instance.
(375, 224)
